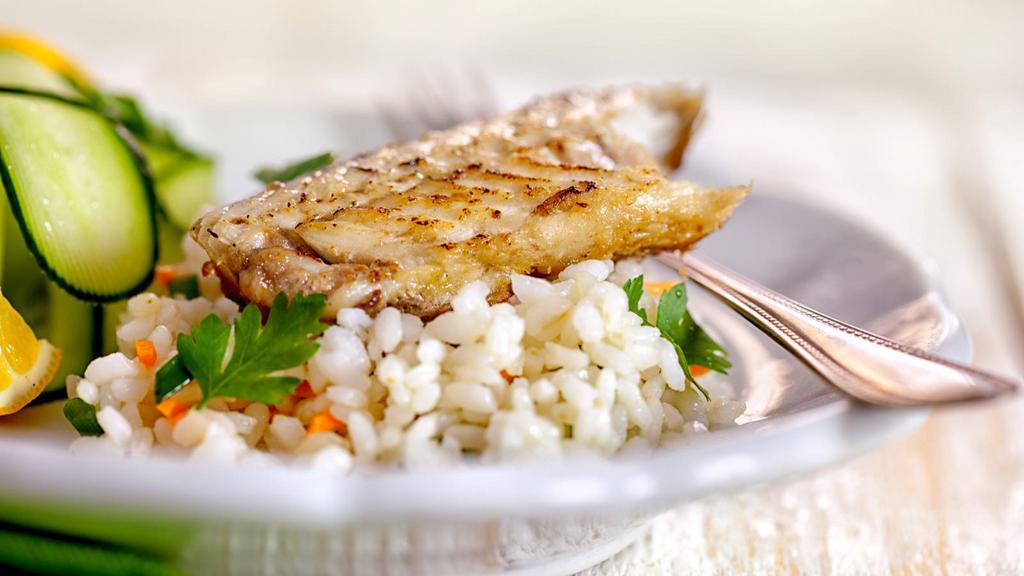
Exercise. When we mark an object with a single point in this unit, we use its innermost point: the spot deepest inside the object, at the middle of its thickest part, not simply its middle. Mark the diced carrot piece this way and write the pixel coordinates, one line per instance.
(324, 422)
(164, 275)
(173, 409)
(698, 371)
(145, 351)
(658, 287)
(304, 391)
(508, 377)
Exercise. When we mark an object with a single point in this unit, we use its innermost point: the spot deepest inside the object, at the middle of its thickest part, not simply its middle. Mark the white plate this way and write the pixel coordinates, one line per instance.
(542, 517)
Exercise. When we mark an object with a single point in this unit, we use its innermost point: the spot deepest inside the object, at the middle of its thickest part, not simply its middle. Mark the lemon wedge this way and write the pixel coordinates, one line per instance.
(27, 364)
(44, 54)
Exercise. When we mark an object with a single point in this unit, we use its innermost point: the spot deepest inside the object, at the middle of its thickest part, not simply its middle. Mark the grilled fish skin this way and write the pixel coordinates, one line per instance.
(532, 191)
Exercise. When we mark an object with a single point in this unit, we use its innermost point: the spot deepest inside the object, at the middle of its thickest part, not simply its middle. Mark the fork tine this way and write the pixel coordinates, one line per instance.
(486, 101)
(392, 118)
(430, 102)
(439, 100)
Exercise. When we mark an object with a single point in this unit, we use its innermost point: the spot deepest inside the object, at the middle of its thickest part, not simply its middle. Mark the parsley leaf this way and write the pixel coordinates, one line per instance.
(704, 351)
(686, 371)
(634, 288)
(82, 416)
(676, 325)
(672, 315)
(257, 352)
(692, 344)
(294, 170)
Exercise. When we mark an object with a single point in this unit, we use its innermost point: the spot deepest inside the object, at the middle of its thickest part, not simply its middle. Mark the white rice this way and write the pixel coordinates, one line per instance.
(564, 367)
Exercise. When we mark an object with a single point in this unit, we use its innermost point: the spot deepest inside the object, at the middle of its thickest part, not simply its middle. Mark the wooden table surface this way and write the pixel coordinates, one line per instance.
(948, 499)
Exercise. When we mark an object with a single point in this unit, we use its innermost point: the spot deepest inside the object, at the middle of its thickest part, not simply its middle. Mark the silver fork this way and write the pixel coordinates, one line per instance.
(866, 366)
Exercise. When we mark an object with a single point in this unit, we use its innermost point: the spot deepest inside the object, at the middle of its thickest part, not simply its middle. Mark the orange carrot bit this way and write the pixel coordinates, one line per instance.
(508, 377)
(164, 275)
(698, 371)
(173, 409)
(145, 351)
(658, 287)
(304, 391)
(324, 422)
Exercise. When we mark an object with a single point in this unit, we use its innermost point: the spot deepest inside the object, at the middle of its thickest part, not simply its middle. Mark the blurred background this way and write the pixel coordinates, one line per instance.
(908, 115)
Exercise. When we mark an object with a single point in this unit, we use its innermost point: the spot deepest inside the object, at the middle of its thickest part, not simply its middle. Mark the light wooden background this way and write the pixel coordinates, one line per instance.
(908, 115)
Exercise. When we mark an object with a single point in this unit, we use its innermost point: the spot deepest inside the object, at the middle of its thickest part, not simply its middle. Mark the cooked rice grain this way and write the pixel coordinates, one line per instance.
(564, 367)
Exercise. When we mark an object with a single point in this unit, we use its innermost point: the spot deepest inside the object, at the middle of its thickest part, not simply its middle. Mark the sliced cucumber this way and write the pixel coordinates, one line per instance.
(81, 195)
(53, 314)
(184, 182)
(160, 158)
(76, 327)
(24, 283)
(65, 321)
(184, 188)
(86, 206)
(111, 320)
(20, 71)
(183, 179)
(171, 251)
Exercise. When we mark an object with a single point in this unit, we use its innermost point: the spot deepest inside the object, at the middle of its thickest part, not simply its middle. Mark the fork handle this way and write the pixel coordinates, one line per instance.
(865, 365)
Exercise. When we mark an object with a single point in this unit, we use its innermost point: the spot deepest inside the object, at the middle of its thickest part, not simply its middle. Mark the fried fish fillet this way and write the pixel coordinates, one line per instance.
(533, 191)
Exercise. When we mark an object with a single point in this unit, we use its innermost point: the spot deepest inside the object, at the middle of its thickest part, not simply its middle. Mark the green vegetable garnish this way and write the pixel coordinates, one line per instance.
(33, 551)
(257, 352)
(294, 170)
(126, 111)
(693, 345)
(170, 378)
(187, 286)
(634, 288)
(183, 177)
(82, 416)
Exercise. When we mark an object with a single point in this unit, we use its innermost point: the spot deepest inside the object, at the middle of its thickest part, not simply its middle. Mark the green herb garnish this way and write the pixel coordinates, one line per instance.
(634, 288)
(82, 416)
(294, 170)
(257, 352)
(693, 345)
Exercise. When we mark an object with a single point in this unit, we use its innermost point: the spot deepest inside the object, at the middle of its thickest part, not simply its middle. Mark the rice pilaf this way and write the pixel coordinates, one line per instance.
(564, 367)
